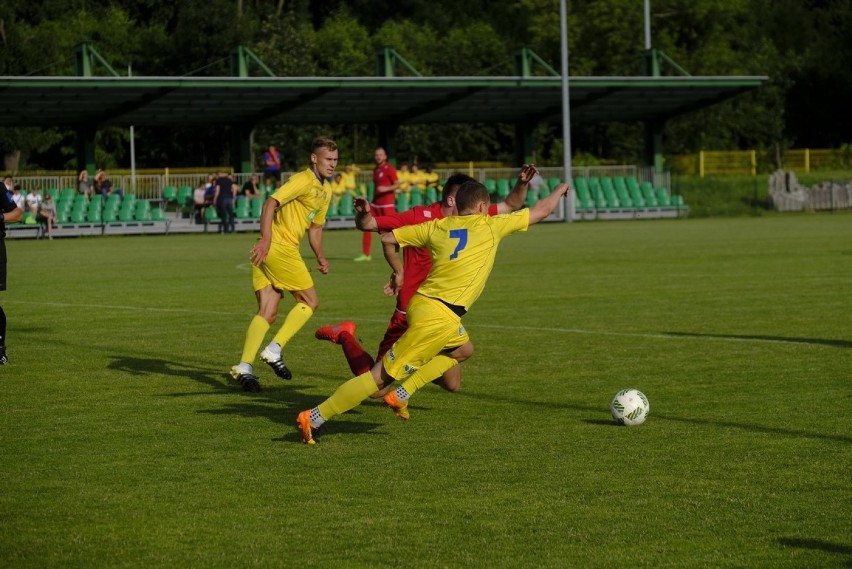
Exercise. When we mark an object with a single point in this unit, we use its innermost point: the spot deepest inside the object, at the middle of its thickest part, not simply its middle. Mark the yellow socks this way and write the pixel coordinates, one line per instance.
(433, 369)
(254, 338)
(296, 318)
(348, 395)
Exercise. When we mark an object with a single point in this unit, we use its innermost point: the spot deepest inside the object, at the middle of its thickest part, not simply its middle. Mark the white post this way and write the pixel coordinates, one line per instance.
(132, 147)
(647, 24)
(569, 205)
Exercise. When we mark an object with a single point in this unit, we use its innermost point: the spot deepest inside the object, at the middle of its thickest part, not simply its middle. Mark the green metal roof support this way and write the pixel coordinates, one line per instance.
(525, 59)
(386, 57)
(241, 134)
(85, 57)
(242, 57)
(654, 128)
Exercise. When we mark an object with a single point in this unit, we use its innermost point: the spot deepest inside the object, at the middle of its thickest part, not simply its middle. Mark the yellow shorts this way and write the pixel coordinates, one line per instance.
(283, 268)
(432, 328)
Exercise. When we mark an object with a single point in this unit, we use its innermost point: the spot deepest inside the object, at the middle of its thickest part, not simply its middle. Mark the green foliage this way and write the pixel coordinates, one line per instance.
(125, 443)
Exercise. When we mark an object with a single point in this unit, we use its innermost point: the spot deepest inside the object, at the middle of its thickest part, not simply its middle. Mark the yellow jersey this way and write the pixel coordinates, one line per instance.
(462, 249)
(349, 182)
(303, 200)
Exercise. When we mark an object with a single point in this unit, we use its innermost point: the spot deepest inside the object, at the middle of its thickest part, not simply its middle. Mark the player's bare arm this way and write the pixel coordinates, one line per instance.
(390, 248)
(545, 206)
(385, 189)
(364, 219)
(518, 196)
(258, 253)
(315, 240)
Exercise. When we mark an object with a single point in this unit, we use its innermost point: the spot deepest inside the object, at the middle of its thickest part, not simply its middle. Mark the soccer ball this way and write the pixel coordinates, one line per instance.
(630, 407)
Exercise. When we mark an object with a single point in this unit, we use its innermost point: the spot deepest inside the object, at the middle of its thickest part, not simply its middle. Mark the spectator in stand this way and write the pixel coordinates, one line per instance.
(17, 197)
(84, 184)
(338, 189)
(34, 200)
(251, 189)
(103, 185)
(417, 178)
(272, 161)
(432, 178)
(269, 187)
(47, 214)
(350, 182)
(404, 177)
(199, 201)
(385, 182)
(226, 193)
(210, 190)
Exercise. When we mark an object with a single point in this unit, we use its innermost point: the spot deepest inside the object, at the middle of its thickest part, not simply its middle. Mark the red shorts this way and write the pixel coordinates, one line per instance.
(396, 328)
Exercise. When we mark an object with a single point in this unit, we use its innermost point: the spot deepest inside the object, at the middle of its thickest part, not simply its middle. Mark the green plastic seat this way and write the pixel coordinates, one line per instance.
(157, 214)
(184, 196)
(663, 198)
(347, 206)
(402, 202)
(490, 185)
(635, 192)
(621, 192)
(256, 207)
(596, 193)
(142, 210)
(609, 192)
(170, 194)
(503, 188)
(648, 194)
(584, 199)
(416, 197)
(211, 215)
(431, 196)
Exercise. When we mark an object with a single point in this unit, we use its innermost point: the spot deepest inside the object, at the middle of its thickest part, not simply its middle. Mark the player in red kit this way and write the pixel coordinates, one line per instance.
(385, 184)
(417, 263)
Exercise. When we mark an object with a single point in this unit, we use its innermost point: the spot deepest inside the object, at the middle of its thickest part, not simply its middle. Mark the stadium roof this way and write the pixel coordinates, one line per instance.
(165, 101)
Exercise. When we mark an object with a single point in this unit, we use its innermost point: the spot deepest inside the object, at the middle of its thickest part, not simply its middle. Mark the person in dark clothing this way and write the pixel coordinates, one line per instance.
(226, 193)
(11, 214)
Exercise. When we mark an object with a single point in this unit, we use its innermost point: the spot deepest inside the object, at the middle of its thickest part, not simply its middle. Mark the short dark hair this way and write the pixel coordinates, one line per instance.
(452, 185)
(323, 142)
(470, 194)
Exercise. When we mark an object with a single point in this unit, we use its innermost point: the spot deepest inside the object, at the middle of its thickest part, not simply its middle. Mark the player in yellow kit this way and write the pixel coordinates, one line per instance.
(297, 208)
(462, 248)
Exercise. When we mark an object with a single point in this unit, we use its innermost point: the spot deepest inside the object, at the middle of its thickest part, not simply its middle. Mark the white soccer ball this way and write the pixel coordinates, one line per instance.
(630, 407)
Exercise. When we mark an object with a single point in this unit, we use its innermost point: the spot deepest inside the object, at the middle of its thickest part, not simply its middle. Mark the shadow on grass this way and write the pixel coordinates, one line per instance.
(663, 417)
(818, 544)
(277, 403)
(780, 339)
(155, 366)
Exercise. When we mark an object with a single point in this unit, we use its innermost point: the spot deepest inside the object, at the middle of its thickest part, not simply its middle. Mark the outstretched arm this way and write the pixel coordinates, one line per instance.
(545, 206)
(516, 198)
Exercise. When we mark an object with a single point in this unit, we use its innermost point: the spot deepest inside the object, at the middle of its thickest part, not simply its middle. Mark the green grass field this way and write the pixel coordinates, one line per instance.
(124, 444)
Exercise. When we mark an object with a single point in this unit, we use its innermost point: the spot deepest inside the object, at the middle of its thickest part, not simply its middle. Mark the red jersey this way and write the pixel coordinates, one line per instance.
(416, 260)
(384, 175)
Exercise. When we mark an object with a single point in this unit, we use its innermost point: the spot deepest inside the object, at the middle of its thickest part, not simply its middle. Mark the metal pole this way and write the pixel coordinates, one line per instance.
(566, 111)
(647, 24)
(132, 147)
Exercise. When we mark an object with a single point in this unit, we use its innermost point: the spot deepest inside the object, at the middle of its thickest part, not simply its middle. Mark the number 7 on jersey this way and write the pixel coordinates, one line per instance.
(461, 235)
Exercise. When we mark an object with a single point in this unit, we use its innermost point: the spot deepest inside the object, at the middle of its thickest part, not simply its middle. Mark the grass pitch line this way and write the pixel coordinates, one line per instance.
(655, 336)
